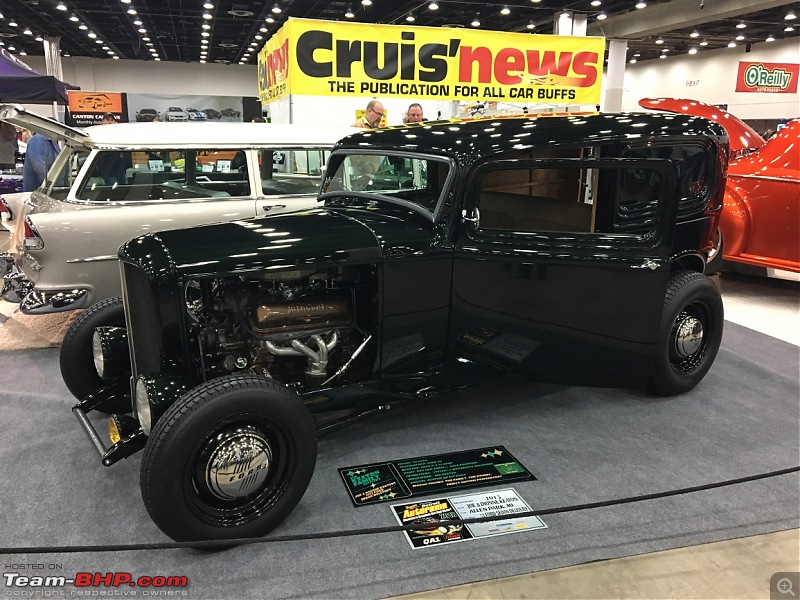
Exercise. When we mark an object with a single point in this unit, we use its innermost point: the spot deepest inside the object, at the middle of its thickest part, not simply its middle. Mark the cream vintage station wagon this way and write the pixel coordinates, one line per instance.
(115, 182)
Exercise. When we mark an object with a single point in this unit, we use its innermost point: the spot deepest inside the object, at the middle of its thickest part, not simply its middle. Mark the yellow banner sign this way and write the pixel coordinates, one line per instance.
(326, 58)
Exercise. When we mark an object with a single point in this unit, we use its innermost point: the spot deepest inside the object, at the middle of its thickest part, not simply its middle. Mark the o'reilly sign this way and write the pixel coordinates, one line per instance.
(767, 77)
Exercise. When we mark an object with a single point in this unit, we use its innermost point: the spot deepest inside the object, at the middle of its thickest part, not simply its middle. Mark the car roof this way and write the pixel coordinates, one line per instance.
(493, 135)
(216, 135)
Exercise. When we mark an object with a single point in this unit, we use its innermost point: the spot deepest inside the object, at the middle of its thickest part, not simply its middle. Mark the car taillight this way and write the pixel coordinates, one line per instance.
(32, 239)
(5, 211)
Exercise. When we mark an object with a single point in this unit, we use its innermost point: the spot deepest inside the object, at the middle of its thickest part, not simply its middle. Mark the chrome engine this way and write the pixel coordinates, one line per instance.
(295, 327)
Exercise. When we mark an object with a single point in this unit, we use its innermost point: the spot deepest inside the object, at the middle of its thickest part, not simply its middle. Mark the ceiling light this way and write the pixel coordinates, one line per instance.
(137, 22)
(205, 34)
(276, 9)
(39, 38)
(125, 1)
(476, 22)
(92, 34)
(664, 50)
(12, 23)
(704, 43)
(131, 11)
(27, 31)
(11, 48)
(741, 25)
(505, 11)
(156, 58)
(114, 57)
(632, 61)
(207, 16)
(61, 6)
(208, 6)
(206, 26)
(110, 53)
(349, 14)
(98, 41)
(263, 30)
(259, 37)
(659, 41)
(74, 18)
(531, 25)
(739, 38)
(433, 6)
(366, 2)
(202, 61)
(536, 1)
(731, 44)
(770, 39)
(789, 16)
(596, 3)
(146, 39)
(105, 48)
(23, 53)
(641, 5)
(149, 44)
(66, 54)
(637, 55)
(271, 20)
(790, 28)
(602, 16)
(692, 50)
(142, 30)
(82, 27)
(663, 56)
(410, 17)
(694, 34)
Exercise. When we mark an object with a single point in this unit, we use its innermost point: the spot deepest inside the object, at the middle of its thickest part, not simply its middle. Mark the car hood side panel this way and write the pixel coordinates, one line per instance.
(304, 239)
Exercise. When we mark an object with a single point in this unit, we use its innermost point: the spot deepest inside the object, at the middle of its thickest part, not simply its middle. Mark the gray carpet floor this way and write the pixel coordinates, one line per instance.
(583, 445)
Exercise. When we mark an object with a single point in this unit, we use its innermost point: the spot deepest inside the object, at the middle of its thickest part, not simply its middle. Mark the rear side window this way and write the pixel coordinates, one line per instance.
(574, 195)
(129, 176)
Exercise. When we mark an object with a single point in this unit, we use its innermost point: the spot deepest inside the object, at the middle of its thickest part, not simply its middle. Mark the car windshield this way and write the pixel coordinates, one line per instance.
(405, 178)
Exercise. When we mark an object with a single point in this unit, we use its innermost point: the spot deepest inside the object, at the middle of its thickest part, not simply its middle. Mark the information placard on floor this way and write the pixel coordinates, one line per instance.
(496, 503)
(393, 480)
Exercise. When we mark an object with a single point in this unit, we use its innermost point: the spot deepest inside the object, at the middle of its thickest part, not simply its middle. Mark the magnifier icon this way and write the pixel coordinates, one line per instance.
(784, 586)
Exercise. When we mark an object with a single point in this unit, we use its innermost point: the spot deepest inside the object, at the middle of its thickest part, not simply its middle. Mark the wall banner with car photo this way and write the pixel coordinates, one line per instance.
(87, 108)
(173, 108)
(326, 58)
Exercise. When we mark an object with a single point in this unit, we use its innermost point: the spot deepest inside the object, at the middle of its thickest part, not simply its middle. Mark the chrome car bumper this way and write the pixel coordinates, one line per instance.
(19, 289)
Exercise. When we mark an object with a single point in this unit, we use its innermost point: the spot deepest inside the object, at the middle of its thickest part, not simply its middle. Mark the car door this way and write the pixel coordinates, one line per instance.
(561, 268)
(289, 177)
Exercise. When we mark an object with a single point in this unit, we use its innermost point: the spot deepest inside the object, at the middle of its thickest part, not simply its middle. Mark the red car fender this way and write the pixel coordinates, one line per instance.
(735, 222)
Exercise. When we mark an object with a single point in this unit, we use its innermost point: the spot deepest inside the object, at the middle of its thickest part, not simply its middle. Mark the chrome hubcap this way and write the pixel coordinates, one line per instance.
(239, 464)
(688, 336)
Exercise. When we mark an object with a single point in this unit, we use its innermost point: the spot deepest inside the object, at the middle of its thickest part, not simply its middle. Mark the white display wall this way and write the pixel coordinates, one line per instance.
(710, 76)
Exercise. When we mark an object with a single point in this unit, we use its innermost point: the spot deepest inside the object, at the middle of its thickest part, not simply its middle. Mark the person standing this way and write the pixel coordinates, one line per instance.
(414, 114)
(372, 116)
(39, 157)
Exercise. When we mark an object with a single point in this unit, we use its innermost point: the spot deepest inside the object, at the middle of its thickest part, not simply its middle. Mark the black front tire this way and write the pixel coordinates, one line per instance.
(231, 458)
(690, 334)
(76, 361)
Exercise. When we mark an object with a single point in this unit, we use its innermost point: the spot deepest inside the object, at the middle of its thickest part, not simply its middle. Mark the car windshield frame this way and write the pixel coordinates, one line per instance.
(338, 157)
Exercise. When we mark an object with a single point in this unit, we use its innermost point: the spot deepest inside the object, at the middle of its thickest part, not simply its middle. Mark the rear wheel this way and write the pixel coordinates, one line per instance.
(690, 335)
(76, 360)
(231, 458)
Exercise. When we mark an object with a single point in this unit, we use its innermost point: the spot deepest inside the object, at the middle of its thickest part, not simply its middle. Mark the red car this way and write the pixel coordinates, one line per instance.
(760, 223)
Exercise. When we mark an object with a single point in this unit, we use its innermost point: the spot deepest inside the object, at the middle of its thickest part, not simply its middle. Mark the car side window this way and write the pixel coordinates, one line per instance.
(291, 170)
(130, 176)
(576, 195)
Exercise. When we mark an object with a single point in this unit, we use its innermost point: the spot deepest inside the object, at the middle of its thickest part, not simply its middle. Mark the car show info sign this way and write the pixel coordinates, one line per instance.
(327, 58)
(495, 503)
(393, 480)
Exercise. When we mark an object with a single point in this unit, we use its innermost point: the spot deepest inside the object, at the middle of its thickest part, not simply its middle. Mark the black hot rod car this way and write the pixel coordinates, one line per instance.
(561, 249)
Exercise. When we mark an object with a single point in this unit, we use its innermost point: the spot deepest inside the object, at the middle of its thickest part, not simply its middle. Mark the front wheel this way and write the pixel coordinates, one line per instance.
(231, 458)
(75, 358)
(690, 334)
